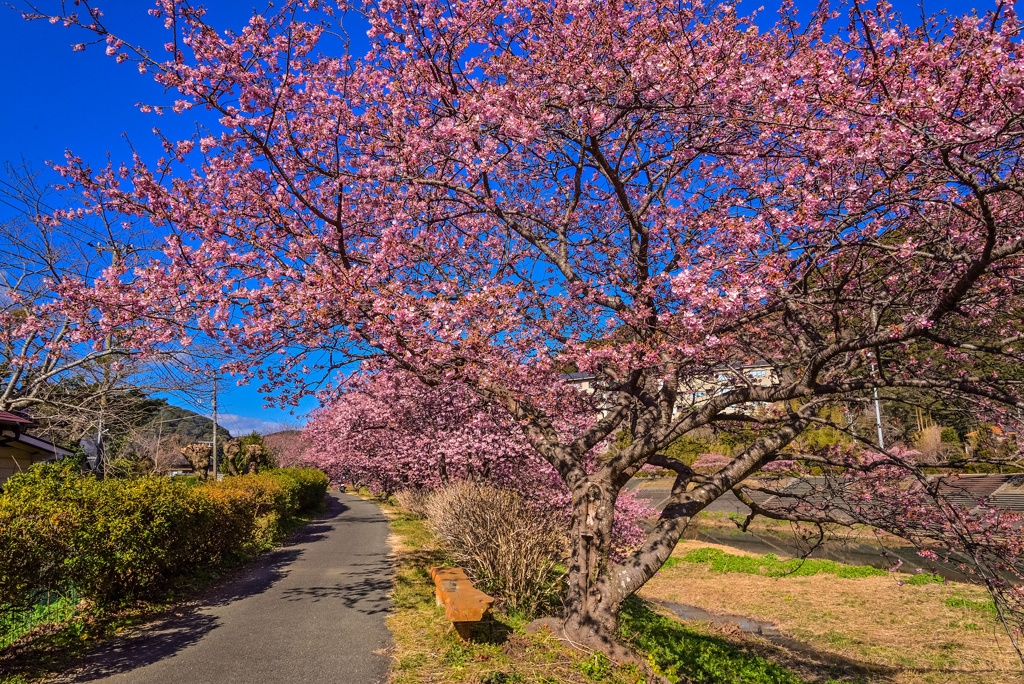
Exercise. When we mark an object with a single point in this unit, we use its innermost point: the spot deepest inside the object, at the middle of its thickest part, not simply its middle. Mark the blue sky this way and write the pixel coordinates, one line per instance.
(52, 99)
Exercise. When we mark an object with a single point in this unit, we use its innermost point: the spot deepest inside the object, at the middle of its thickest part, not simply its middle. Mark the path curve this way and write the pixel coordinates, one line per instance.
(310, 611)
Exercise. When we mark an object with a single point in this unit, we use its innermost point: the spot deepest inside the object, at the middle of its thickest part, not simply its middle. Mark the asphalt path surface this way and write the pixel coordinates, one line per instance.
(310, 611)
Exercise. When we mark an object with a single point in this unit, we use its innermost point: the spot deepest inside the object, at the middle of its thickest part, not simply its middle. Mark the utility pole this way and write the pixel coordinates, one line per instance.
(215, 427)
(874, 370)
(101, 456)
(878, 420)
(101, 465)
(108, 343)
(878, 410)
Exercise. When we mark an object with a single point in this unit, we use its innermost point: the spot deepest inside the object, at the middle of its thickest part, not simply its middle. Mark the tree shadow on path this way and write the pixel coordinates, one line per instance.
(364, 589)
(186, 625)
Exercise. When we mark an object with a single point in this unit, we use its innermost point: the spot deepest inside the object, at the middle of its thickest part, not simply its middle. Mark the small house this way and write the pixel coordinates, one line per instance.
(18, 449)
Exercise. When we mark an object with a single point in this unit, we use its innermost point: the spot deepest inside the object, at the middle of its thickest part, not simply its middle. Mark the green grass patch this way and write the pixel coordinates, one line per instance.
(922, 578)
(979, 606)
(50, 608)
(53, 648)
(769, 565)
(681, 653)
(412, 529)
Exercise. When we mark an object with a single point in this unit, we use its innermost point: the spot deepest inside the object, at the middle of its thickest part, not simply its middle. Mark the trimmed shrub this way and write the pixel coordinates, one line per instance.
(267, 493)
(114, 540)
(312, 486)
(35, 531)
(512, 548)
(119, 540)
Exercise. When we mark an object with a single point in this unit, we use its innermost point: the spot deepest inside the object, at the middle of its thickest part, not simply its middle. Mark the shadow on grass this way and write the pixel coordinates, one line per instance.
(490, 631)
(160, 640)
(682, 652)
(708, 659)
(415, 588)
(424, 558)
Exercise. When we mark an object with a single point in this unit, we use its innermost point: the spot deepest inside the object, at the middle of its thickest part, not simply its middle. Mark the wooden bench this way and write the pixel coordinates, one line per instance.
(464, 604)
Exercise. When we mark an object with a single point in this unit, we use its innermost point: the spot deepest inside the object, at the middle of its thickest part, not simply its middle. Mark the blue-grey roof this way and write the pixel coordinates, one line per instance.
(577, 376)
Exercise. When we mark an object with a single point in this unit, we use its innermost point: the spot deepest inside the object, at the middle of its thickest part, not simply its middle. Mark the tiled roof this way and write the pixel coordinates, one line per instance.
(14, 419)
(1000, 491)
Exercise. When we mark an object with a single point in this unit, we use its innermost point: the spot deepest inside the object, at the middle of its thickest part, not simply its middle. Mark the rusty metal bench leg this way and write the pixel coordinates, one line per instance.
(463, 628)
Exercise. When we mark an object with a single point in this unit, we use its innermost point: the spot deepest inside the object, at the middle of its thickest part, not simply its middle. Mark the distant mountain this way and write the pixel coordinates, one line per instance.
(283, 434)
(169, 421)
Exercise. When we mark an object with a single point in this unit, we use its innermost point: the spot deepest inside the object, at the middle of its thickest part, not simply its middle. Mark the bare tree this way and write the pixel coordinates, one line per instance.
(71, 387)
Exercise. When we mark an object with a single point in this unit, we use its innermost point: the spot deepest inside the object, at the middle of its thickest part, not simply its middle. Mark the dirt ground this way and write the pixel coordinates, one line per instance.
(871, 627)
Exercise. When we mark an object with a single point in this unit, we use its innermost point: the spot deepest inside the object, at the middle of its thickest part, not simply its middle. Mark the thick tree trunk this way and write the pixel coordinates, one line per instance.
(597, 587)
(592, 604)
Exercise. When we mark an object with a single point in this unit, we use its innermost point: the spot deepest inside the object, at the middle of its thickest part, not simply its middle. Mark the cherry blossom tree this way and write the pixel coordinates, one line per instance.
(654, 193)
(75, 376)
(390, 432)
(289, 446)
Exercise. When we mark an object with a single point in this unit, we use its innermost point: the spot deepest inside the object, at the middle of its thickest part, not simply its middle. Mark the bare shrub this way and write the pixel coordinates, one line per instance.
(929, 443)
(511, 547)
(413, 501)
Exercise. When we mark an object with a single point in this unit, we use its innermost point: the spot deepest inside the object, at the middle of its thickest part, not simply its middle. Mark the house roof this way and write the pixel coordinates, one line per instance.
(177, 462)
(10, 436)
(14, 421)
(994, 429)
(576, 376)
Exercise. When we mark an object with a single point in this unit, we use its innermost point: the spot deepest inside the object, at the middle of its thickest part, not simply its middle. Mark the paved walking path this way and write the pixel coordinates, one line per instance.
(311, 611)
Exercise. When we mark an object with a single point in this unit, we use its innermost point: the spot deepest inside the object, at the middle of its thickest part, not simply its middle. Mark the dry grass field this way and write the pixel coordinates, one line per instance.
(870, 626)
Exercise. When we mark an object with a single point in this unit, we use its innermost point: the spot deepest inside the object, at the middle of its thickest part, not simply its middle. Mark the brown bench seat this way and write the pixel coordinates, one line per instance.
(463, 603)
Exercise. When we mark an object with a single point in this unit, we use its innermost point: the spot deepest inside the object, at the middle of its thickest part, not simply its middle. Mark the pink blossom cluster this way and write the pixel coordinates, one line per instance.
(388, 431)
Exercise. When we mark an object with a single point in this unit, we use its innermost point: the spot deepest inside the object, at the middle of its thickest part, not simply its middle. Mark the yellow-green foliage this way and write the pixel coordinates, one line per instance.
(118, 540)
(688, 449)
(312, 485)
(265, 492)
(826, 436)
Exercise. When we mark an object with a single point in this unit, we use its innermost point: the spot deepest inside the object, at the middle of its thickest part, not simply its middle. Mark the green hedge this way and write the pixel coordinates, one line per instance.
(118, 540)
(312, 485)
